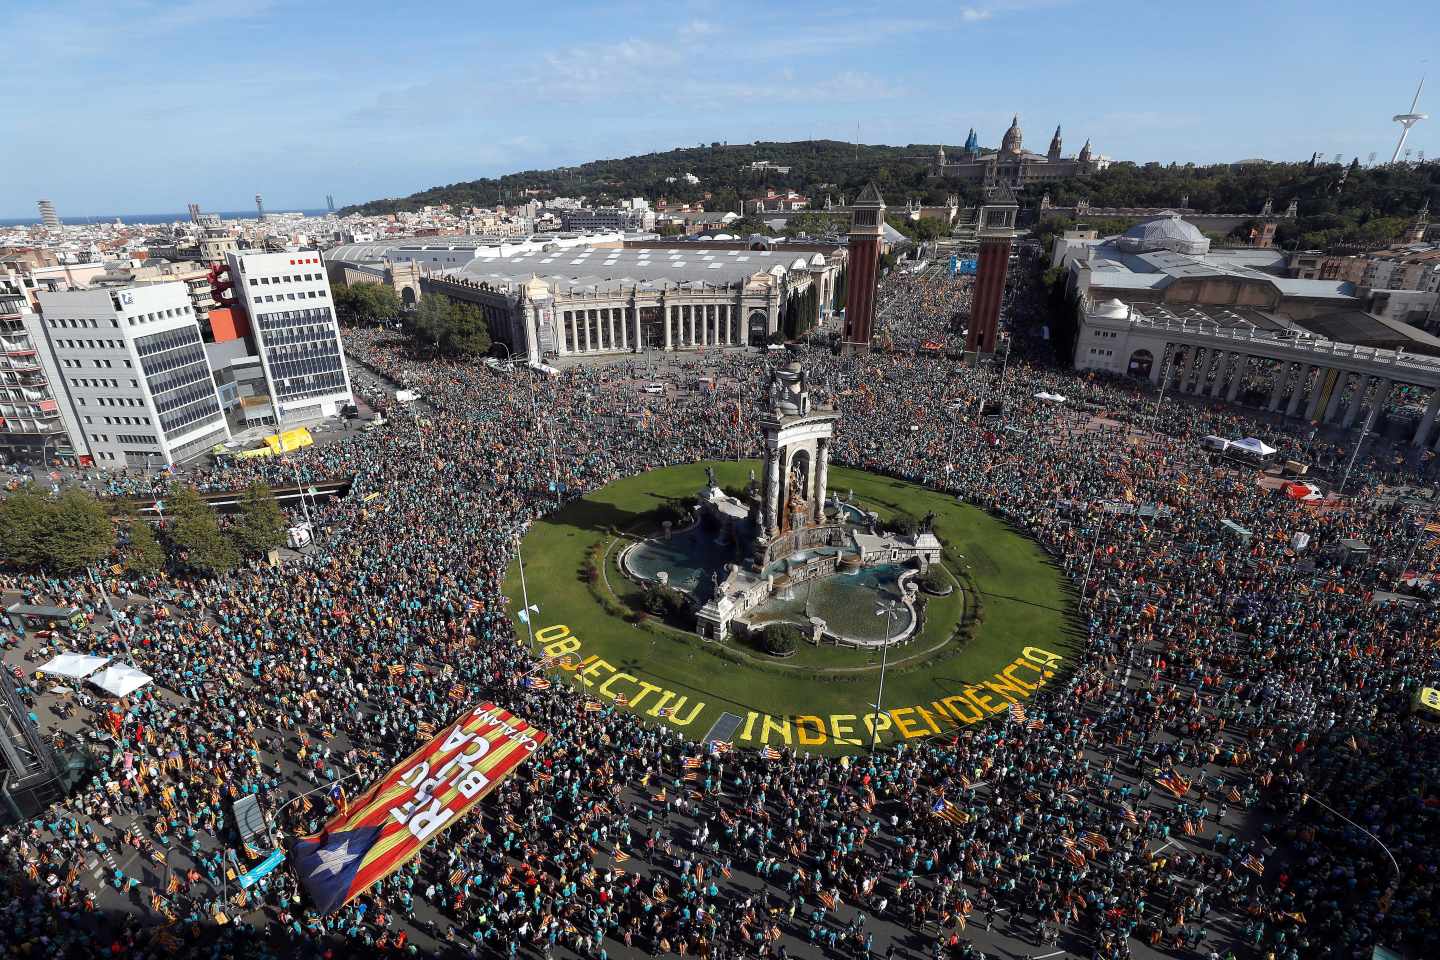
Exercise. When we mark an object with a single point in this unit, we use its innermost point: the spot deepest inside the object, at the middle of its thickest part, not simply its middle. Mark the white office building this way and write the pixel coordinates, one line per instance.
(137, 387)
(292, 317)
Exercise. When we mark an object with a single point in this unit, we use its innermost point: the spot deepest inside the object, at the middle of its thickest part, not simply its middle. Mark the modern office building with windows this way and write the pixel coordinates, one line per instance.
(292, 318)
(137, 386)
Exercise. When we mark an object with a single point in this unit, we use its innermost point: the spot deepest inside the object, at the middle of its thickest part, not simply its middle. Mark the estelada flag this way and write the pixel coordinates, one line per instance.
(387, 825)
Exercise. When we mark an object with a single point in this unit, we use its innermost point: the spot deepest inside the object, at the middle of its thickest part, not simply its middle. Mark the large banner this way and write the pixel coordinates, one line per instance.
(379, 831)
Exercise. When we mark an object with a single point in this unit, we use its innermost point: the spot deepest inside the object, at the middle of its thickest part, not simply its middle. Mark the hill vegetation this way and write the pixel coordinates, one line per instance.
(1339, 204)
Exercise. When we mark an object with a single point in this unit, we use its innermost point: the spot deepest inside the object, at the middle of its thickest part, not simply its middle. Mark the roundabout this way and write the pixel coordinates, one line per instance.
(993, 618)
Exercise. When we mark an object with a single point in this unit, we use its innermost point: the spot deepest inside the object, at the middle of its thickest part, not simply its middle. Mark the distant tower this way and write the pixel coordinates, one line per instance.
(1084, 155)
(1421, 224)
(867, 221)
(48, 217)
(940, 160)
(1408, 120)
(260, 206)
(1011, 142)
(330, 202)
(194, 209)
(1054, 152)
(996, 231)
(972, 145)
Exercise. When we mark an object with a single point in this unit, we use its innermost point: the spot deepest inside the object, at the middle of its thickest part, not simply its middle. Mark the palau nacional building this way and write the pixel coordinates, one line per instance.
(1012, 164)
(543, 300)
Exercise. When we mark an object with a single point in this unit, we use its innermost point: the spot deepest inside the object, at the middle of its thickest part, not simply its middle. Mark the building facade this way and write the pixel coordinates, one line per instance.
(653, 296)
(135, 376)
(1012, 164)
(31, 428)
(287, 300)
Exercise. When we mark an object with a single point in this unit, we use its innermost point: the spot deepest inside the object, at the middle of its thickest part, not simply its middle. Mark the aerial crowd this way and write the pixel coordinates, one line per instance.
(1191, 787)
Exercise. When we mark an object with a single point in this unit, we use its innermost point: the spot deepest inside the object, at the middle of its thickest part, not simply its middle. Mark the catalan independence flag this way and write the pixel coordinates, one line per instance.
(385, 827)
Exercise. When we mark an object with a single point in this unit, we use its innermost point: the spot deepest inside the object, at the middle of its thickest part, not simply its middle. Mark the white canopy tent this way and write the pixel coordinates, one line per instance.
(1253, 446)
(120, 679)
(1052, 397)
(72, 665)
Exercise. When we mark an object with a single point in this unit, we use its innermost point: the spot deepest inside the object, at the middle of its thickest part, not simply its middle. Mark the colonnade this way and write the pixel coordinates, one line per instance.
(1314, 391)
(684, 325)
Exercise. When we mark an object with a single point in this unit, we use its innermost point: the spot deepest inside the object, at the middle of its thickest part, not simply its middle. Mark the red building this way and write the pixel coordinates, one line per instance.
(996, 231)
(867, 221)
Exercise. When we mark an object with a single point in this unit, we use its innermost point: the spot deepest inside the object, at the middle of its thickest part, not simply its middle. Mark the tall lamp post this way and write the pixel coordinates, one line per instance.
(887, 609)
(1394, 883)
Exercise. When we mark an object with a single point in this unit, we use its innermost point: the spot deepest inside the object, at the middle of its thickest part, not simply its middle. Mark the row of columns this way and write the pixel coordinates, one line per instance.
(685, 325)
(777, 466)
(702, 325)
(1206, 371)
(614, 328)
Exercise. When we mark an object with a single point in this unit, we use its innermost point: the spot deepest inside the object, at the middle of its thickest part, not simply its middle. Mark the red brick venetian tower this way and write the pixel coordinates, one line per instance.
(867, 221)
(996, 231)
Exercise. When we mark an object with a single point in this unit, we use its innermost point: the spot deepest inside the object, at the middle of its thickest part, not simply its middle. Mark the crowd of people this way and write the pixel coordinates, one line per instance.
(1226, 770)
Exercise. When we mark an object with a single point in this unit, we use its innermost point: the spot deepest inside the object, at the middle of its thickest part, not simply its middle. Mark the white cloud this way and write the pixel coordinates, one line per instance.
(975, 14)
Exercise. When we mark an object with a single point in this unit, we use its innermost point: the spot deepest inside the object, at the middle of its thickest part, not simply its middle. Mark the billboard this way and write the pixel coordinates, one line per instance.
(383, 828)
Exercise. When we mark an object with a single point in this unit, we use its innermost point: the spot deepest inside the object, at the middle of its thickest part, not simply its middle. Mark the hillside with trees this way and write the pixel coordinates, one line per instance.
(1340, 204)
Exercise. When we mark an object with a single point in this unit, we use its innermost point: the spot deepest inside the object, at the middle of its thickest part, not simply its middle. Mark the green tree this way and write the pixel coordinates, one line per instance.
(80, 531)
(468, 334)
(62, 533)
(449, 327)
(261, 524)
(194, 529)
(24, 519)
(143, 554)
(367, 304)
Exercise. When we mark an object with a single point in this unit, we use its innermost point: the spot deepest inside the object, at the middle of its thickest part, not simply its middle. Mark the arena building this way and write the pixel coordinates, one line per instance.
(647, 295)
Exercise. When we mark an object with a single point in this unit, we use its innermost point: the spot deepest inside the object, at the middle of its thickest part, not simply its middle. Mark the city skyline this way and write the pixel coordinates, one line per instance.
(287, 100)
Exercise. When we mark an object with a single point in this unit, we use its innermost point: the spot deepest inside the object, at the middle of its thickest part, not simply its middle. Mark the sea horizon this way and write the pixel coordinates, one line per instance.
(133, 219)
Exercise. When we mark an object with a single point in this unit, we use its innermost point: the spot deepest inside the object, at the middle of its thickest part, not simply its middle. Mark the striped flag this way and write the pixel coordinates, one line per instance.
(620, 856)
(1234, 795)
(1175, 783)
(692, 776)
(1252, 862)
(1188, 828)
(946, 810)
(592, 707)
(537, 683)
(457, 878)
(770, 753)
(394, 818)
(1130, 817)
(1072, 852)
(828, 900)
(1352, 743)
(692, 763)
(1094, 841)
(721, 747)
(622, 701)
(457, 693)
(1017, 713)
(1035, 723)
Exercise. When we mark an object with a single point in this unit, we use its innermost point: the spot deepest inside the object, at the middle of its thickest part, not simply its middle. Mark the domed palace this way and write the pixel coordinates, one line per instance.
(1012, 164)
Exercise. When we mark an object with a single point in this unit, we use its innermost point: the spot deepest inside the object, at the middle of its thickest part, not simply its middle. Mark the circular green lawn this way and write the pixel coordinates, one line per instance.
(993, 642)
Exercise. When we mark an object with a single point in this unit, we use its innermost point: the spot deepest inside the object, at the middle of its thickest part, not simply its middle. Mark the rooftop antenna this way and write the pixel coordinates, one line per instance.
(1371, 162)
(1408, 120)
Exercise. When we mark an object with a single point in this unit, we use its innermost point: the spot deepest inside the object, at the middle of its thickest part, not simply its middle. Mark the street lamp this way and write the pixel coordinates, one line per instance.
(1395, 883)
(887, 609)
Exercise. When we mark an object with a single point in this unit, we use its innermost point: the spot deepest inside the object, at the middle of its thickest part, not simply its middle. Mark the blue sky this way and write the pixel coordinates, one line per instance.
(135, 106)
